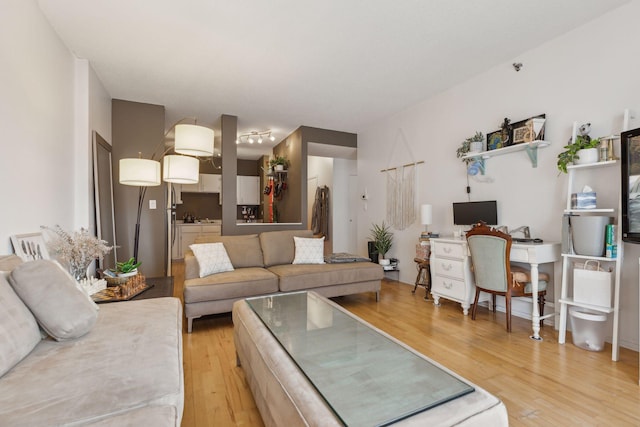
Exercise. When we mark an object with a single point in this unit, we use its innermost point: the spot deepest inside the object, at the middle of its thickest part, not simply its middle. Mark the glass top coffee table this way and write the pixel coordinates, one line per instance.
(366, 378)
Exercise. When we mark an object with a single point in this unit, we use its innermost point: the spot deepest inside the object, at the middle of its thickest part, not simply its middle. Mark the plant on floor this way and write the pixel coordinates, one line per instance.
(382, 238)
(571, 151)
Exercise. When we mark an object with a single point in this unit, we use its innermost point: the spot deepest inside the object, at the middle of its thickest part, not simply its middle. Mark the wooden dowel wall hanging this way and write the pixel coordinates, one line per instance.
(401, 188)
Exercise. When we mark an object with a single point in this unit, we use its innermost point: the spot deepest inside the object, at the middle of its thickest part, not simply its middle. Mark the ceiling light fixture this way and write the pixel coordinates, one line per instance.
(253, 136)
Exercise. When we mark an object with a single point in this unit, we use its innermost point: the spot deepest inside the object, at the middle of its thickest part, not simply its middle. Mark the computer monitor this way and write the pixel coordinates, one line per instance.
(469, 213)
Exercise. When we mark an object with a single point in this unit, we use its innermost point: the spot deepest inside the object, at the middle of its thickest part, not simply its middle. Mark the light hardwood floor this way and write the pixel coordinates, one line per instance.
(541, 383)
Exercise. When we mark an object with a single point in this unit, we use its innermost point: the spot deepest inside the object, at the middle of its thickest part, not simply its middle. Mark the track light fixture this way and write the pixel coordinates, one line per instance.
(255, 136)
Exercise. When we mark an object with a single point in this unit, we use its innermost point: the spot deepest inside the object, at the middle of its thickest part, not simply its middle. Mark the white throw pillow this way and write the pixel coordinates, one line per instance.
(309, 250)
(212, 258)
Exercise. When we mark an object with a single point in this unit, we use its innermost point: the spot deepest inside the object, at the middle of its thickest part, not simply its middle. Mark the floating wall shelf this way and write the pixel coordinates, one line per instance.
(531, 148)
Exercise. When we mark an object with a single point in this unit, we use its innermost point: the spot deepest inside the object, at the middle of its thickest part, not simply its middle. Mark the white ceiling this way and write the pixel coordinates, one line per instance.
(279, 64)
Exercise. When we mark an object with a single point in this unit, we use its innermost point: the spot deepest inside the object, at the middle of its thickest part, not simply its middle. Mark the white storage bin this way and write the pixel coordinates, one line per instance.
(588, 328)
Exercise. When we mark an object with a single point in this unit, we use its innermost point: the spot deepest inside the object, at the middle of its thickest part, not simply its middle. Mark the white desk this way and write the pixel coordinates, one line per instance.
(445, 251)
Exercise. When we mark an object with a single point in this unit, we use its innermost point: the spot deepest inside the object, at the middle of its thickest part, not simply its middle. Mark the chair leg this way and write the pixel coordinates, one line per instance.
(508, 310)
(475, 304)
(541, 307)
(494, 302)
(417, 280)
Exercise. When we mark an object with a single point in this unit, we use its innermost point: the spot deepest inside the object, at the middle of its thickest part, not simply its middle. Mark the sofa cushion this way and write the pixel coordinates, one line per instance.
(308, 251)
(212, 258)
(243, 250)
(60, 308)
(131, 359)
(19, 331)
(295, 277)
(9, 262)
(278, 246)
(240, 283)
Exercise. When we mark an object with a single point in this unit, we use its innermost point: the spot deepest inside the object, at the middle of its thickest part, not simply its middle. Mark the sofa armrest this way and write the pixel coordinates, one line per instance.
(191, 266)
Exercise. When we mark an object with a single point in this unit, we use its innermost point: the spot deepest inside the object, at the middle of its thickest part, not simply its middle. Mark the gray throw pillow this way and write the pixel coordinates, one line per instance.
(60, 308)
(19, 331)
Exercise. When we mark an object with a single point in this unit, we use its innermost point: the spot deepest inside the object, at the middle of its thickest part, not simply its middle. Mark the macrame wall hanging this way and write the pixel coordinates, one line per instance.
(402, 204)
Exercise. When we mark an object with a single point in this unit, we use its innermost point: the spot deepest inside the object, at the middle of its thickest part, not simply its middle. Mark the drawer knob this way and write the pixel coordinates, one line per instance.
(448, 285)
(447, 267)
(447, 249)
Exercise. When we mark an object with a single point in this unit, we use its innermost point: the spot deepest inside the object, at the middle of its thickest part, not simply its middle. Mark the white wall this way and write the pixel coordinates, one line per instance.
(50, 103)
(36, 118)
(588, 75)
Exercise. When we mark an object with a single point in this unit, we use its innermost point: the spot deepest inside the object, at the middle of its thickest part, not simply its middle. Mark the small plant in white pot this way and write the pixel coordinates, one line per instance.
(583, 150)
(473, 144)
(383, 239)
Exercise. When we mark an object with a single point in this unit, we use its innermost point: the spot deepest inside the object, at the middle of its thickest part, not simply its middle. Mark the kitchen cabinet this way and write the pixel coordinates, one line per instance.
(248, 190)
(207, 183)
(187, 234)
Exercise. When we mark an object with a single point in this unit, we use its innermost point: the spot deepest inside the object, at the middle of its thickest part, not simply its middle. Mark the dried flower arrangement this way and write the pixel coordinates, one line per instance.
(78, 249)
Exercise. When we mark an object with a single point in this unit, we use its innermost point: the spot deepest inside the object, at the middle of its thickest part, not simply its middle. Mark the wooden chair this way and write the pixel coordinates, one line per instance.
(424, 271)
(490, 250)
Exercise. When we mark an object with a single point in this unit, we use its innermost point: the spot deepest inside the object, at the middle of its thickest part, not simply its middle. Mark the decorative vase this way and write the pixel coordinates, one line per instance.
(79, 269)
(587, 156)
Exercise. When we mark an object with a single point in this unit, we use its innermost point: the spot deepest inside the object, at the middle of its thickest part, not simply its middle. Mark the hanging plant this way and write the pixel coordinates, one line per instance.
(465, 147)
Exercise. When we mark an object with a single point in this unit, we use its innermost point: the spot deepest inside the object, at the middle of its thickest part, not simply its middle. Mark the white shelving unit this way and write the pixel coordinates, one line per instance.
(568, 259)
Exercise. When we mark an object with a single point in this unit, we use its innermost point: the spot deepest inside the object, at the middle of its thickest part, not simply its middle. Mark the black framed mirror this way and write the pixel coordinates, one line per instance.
(103, 197)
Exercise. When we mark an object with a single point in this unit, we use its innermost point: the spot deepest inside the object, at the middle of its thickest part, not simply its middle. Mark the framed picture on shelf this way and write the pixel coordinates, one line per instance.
(29, 247)
(494, 140)
(531, 129)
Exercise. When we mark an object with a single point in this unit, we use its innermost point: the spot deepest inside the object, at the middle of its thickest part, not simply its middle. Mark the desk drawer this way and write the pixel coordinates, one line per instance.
(449, 250)
(449, 288)
(448, 267)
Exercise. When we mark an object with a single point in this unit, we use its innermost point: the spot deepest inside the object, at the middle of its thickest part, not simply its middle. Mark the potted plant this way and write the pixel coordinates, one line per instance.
(472, 144)
(279, 163)
(127, 268)
(582, 151)
(383, 239)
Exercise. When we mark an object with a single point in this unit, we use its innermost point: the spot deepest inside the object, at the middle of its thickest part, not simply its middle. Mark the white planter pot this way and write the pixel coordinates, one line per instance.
(475, 146)
(587, 156)
(279, 167)
(384, 261)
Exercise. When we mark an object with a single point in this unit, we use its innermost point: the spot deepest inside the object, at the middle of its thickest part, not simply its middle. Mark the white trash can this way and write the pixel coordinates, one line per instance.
(588, 328)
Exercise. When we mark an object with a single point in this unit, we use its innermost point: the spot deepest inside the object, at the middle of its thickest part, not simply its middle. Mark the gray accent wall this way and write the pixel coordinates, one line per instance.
(138, 127)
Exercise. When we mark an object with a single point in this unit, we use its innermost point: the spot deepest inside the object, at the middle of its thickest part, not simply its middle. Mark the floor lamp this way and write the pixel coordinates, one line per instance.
(191, 141)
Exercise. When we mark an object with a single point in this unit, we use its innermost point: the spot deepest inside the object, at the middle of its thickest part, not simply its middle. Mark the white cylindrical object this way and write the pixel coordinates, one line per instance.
(194, 140)
(180, 169)
(139, 172)
(426, 214)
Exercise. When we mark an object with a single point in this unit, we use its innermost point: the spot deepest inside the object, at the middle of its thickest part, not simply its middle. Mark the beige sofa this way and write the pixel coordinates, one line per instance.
(124, 370)
(263, 265)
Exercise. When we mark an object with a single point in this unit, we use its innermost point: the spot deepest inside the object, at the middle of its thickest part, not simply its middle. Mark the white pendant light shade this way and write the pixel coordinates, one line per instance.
(426, 214)
(180, 169)
(139, 172)
(194, 140)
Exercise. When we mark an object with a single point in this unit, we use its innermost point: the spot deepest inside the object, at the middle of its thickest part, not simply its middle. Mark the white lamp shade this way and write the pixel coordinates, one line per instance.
(194, 140)
(180, 169)
(139, 172)
(426, 214)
